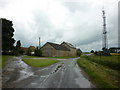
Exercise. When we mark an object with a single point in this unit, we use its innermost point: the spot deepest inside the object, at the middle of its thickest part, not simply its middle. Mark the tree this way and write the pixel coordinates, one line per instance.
(79, 52)
(18, 44)
(7, 35)
(28, 52)
(17, 48)
(92, 51)
(38, 52)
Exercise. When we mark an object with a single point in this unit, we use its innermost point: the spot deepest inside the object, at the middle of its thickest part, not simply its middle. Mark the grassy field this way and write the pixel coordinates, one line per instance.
(101, 75)
(110, 61)
(48, 57)
(4, 59)
(39, 62)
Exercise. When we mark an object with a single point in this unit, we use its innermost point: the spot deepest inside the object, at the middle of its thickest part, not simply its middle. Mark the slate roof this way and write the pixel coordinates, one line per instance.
(68, 44)
(58, 47)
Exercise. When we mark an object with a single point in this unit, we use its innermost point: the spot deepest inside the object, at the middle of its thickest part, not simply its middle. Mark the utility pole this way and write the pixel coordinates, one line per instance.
(119, 24)
(39, 43)
(104, 42)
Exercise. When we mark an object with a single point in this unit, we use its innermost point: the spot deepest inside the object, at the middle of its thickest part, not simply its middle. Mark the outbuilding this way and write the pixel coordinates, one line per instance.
(57, 50)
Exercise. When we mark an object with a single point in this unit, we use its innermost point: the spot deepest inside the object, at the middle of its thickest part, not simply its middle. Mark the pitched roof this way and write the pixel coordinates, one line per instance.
(68, 44)
(24, 48)
(33, 47)
(58, 47)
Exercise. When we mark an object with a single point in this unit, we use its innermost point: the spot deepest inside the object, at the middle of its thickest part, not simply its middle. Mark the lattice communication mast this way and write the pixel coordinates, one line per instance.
(39, 43)
(104, 42)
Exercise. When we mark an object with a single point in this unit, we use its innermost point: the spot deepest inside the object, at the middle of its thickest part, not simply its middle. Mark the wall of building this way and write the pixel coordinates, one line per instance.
(49, 51)
(61, 53)
(72, 52)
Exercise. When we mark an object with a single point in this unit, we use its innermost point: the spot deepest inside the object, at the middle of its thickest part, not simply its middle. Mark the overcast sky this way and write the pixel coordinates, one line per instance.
(75, 21)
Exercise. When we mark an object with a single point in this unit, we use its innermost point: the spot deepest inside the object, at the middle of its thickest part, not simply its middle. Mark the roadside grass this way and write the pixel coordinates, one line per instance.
(86, 53)
(39, 62)
(110, 61)
(101, 76)
(0, 61)
(49, 57)
(31, 57)
(4, 59)
(63, 57)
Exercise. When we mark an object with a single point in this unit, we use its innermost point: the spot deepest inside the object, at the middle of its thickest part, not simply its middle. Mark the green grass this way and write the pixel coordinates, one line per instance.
(39, 62)
(110, 61)
(49, 57)
(102, 76)
(31, 57)
(0, 61)
(4, 59)
(63, 57)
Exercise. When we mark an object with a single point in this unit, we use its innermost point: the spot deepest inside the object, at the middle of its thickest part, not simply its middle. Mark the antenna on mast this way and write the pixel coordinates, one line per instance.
(39, 43)
(105, 44)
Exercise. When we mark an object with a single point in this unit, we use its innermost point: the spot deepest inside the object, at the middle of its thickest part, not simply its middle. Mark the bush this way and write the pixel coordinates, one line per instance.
(79, 52)
(28, 52)
(92, 51)
(38, 52)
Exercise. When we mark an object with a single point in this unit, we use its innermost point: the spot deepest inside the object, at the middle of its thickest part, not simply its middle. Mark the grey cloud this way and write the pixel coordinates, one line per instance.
(3, 3)
(77, 22)
(77, 6)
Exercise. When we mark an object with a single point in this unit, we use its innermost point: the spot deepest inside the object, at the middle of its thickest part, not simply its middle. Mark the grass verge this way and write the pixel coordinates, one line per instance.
(4, 59)
(102, 76)
(39, 62)
(110, 61)
(49, 57)
(31, 57)
(63, 57)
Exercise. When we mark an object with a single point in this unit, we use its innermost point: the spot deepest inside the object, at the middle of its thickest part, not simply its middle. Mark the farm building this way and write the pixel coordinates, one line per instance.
(58, 50)
(114, 50)
(31, 49)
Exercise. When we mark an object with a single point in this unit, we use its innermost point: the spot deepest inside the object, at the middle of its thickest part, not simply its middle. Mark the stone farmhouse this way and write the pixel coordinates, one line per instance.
(58, 50)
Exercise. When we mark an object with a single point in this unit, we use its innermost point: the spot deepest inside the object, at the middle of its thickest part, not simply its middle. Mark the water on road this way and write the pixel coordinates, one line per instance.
(64, 74)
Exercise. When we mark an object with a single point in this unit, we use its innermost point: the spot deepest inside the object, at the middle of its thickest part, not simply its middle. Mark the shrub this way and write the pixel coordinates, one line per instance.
(38, 52)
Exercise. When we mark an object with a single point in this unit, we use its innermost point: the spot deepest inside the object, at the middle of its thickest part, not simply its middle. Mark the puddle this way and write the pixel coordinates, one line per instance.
(33, 83)
(81, 80)
(61, 59)
(26, 71)
(44, 76)
(58, 68)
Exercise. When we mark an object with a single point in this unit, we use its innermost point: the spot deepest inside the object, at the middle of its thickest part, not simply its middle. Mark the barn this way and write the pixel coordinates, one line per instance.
(58, 50)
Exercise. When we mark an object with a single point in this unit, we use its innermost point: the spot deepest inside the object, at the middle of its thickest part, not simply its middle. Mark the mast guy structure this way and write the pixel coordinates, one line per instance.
(104, 42)
(39, 43)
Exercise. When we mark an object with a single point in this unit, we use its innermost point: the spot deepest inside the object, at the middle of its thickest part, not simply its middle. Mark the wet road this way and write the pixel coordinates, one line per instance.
(65, 74)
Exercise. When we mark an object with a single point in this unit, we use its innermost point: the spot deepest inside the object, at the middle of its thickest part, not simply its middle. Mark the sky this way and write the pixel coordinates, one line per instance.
(78, 22)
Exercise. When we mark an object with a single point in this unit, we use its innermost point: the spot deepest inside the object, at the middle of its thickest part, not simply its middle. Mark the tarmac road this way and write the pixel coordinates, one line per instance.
(64, 74)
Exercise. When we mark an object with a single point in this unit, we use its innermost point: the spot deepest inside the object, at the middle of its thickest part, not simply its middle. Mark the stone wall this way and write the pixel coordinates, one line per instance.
(49, 51)
(72, 52)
